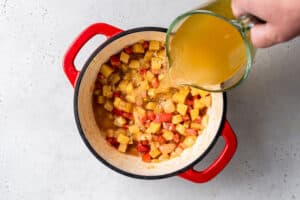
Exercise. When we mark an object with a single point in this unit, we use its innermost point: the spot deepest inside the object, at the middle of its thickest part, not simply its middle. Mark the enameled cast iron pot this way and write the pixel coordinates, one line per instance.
(132, 166)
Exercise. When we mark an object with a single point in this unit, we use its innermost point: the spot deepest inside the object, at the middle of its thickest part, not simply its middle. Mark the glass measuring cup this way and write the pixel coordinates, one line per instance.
(242, 25)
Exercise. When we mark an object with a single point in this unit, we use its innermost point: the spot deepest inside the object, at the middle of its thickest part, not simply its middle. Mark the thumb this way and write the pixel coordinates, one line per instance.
(263, 35)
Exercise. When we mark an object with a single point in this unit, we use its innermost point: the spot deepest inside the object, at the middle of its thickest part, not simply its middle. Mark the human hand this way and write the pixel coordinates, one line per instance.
(282, 19)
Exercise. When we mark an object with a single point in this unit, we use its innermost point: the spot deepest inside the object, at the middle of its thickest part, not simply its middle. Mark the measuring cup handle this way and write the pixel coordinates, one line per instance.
(95, 29)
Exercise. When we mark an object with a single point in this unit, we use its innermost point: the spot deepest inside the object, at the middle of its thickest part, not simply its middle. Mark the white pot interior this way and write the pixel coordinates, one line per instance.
(129, 163)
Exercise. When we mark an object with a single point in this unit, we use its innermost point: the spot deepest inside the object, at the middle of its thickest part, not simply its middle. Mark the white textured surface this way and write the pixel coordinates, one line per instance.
(42, 155)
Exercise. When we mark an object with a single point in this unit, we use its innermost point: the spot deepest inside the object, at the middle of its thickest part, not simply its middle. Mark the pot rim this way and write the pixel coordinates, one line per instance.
(85, 140)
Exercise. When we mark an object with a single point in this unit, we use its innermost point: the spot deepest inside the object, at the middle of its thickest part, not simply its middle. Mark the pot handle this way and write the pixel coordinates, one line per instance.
(218, 165)
(98, 28)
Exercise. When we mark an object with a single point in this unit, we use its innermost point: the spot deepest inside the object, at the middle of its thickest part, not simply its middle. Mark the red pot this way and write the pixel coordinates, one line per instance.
(84, 80)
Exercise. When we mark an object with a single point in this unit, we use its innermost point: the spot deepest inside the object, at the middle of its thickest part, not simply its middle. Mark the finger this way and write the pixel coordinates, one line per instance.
(263, 35)
(256, 8)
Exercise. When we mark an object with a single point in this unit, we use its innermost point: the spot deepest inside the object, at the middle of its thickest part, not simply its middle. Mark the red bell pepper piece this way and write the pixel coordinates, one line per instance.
(146, 157)
(115, 61)
(150, 115)
(143, 148)
(128, 50)
(191, 131)
(146, 45)
(163, 117)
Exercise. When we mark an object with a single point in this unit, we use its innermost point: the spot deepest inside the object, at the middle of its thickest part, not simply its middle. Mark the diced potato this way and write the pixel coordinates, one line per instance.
(100, 99)
(130, 98)
(163, 157)
(180, 129)
(189, 141)
(176, 119)
(133, 129)
(154, 152)
(106, 70)
(107, 92)
(122, 148)
(123, 139)
(181, 108)
(124, 57)
(204, 121)
(168, 106)
(197, 126)
(167, 148)
(117, 102)
(115, 78)
(153, 128)
(156, 63)
(138, 48)
(154, 45)
(186, 124)
(122, 105)
(168, 135)
(119, 132)
(123, 85)
(194, 114)
(162, 54)
(129, 88)
(120, 121)
(108, 106)
(180, 96)
(206, 101)
(199, 104)
(151, 105)
(134, 64)
(149, 76)
(148, 55)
